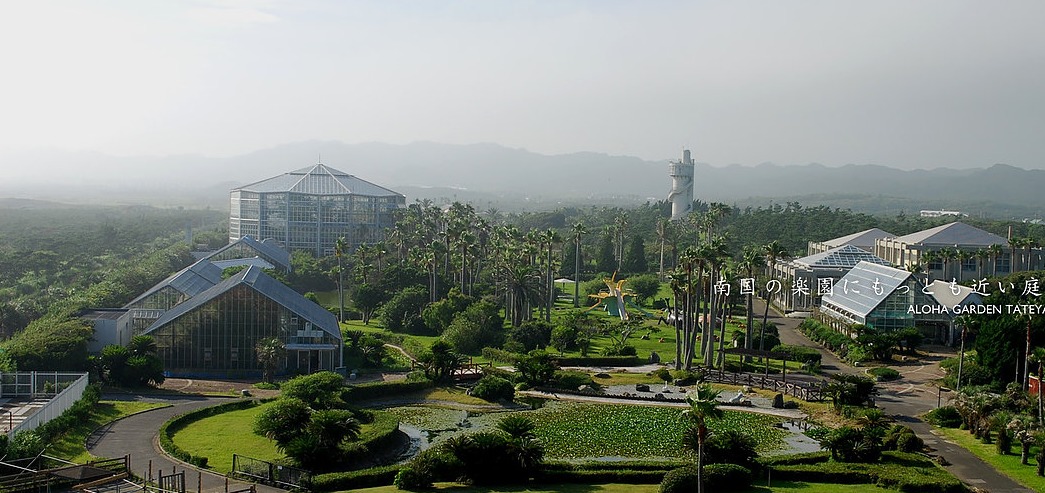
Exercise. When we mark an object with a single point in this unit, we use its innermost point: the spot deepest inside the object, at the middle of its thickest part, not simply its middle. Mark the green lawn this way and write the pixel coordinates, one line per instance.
(777, 487)
(71, 446)
(218, 437)
(1006, 464)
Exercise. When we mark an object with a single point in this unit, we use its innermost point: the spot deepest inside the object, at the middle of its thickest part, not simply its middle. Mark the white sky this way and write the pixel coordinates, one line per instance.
(899, 83)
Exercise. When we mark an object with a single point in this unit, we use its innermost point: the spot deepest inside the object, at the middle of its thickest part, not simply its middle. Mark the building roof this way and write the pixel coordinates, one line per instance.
(267, 286)
(944, 293)
(856, 291)
(953, 234)
(845, 257)
(102, 313)
(319, 179)
(266, 250)
(862, 239)
(246, 262)
(189, 281)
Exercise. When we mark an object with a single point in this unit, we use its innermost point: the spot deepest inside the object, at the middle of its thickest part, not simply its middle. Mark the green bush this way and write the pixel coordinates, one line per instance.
(802, 354)
(681, 480)
(903, 439)
(717, 477)
(352, 480)
(409, 479)
(946, 417)
(493, 388)
(598, 361)
(570, 380)
(727, 477)
(599, 476)
(901, 471)
(375, 390)
(884, 374)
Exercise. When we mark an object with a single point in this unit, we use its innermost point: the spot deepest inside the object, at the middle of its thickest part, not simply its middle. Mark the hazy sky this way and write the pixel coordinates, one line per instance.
(906, 84)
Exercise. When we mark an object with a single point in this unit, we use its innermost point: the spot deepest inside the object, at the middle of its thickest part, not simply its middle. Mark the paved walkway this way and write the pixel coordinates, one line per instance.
(138, 436)
(913, 395)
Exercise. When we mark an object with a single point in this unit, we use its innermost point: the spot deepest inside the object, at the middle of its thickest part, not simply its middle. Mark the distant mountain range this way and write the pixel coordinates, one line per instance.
(497, 176)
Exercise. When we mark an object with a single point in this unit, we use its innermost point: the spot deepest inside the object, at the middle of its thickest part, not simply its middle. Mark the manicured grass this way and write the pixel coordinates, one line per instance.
(71, 446)
(777, 487)
(1008, 465)
(218, 437)
(627, 379)
(453, 394)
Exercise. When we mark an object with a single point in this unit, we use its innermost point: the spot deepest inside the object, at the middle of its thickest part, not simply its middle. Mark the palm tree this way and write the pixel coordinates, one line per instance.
(550, 238)
(946, 255)
(995, 252)
(340, 247)
(981, 258)
(620, 225)
(773, 251)
(663, 230)
(703, 405)
(270, 352)
(577, 230)
(928, 258)
(1014, 243)
(750, 260)
(142, 345)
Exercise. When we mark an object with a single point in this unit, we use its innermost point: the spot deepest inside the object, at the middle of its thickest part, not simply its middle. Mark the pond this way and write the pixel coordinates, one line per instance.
(586, 431)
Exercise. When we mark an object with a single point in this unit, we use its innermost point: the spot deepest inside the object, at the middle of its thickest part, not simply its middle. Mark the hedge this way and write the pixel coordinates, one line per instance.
(621, 476)
(501, 356)
(178, 423)
(598, 361)
(378, 390)
(905, 472)
(801, 354)
(351, 480)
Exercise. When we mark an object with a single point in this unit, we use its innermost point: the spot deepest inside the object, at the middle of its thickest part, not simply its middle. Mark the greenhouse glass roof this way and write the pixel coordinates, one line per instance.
(865, 287)
(189, 281)
(319, 179)
(266, 285)
(845, 257)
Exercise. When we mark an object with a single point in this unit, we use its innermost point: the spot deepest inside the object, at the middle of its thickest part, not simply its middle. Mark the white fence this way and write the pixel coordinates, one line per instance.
(62, 390)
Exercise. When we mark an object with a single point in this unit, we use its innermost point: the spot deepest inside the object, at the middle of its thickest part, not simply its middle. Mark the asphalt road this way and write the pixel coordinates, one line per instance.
(138, 436)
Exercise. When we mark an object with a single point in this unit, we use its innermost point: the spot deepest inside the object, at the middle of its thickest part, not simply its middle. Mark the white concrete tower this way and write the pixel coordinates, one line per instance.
(681, 195)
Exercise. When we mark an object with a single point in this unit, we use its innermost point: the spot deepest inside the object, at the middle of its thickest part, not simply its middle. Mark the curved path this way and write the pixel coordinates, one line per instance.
(914, 395)
(138, 436)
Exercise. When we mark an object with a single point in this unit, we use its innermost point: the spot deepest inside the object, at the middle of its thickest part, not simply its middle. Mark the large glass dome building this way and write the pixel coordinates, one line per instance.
(309, 209)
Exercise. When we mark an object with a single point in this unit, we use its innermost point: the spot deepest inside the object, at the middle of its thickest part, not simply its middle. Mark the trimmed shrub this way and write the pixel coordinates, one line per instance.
(802, 354)
(598, 361)
(727, 477)
(946, 416)
(681, 480)
(352, 480)
(884, 374)
(570, 380)
(903, 439)
(493, 388)
(361, 392)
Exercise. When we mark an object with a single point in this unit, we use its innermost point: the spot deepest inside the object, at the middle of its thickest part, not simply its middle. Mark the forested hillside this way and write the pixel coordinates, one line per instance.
(55, 258)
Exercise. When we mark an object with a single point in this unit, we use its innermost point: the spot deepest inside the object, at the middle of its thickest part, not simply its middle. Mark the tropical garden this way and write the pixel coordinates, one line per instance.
(510, 294)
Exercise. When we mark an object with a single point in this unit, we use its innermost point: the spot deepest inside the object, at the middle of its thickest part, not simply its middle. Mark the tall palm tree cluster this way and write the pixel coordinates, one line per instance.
(707, 283)
(953, 261)
(457, 247)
